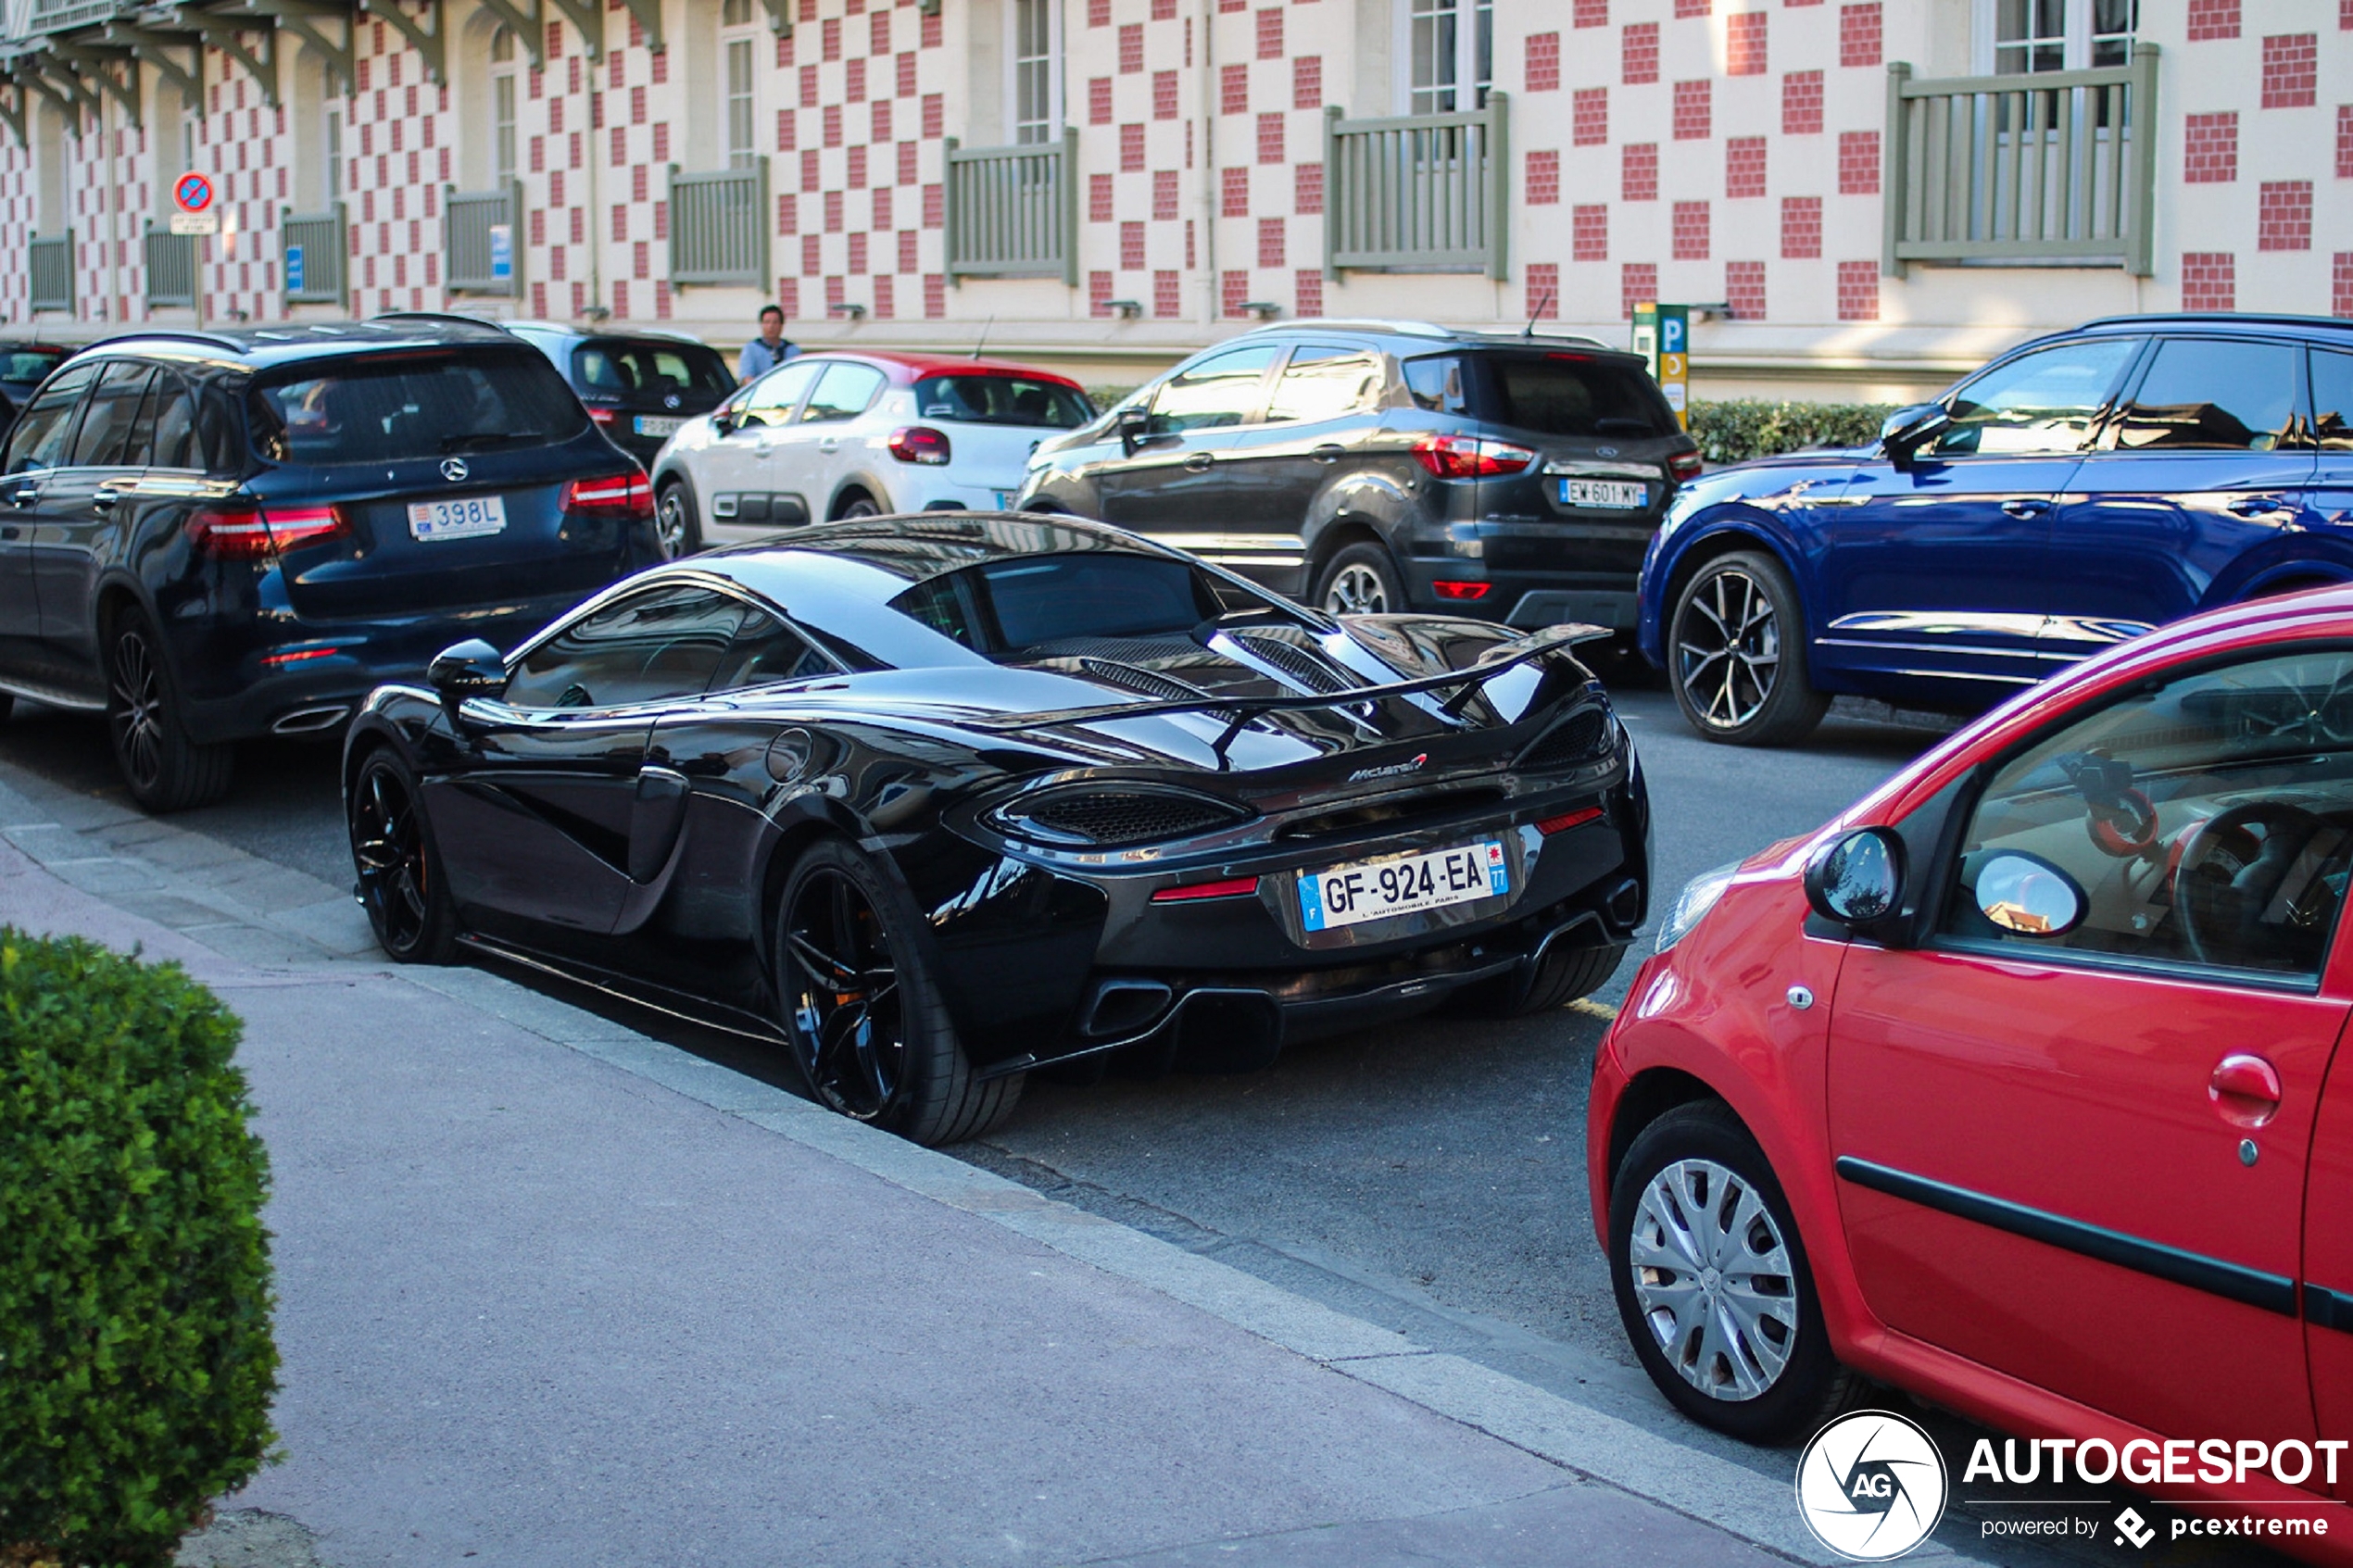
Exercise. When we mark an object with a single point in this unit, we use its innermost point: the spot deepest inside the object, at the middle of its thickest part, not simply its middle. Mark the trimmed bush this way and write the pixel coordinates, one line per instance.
(1738, 429)
(136, 1364)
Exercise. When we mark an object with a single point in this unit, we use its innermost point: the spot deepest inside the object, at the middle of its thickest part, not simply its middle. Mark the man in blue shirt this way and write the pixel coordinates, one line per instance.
(768, 350)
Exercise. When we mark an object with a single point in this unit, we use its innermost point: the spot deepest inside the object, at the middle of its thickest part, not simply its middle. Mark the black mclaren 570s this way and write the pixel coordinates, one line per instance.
(939, 801)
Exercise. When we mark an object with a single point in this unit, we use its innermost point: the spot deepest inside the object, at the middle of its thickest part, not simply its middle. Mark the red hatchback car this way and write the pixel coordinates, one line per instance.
(2018, 1085)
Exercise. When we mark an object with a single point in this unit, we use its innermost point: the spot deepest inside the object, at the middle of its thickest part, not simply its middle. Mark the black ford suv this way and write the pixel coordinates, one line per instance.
(639, 387)
(212, 535)
(1374, 466)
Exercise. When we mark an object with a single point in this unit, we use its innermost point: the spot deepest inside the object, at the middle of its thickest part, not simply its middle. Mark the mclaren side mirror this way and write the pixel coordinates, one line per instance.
(1858, 879)
(1904, 432)
(469, 669)
(1135, 427)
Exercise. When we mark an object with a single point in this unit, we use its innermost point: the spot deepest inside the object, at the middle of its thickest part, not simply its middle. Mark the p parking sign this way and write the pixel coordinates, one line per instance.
(1662, 336)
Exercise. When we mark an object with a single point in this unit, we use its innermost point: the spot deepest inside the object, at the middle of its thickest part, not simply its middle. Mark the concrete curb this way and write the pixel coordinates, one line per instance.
(258, 912)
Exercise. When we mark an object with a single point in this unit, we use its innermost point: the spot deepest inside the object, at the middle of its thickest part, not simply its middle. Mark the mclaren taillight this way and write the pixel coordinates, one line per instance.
(1683, 466)
(1230, 887)
(920, 444)
(632, 493)
(1453, 590)
(1469, 457)
(1568, 819)
(254, 533)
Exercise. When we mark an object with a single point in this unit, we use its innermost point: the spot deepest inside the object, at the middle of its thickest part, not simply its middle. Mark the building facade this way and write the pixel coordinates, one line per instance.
(1863, 197)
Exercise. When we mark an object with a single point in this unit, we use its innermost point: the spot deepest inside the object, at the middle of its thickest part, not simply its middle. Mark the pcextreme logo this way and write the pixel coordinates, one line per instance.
(1871, 1486)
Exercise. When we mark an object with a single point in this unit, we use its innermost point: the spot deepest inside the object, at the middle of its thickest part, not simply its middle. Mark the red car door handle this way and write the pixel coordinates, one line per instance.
(2245, 1090)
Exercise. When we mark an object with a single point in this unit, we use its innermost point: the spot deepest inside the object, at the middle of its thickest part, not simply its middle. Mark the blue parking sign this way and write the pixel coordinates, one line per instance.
(1670, 333)
(502, 250)
(294, 268)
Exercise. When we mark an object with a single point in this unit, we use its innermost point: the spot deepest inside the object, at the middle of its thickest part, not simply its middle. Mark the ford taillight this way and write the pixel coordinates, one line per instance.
(920, 444)
(256, 533)
(630, 493)
(1683, 466)
(1465, 457)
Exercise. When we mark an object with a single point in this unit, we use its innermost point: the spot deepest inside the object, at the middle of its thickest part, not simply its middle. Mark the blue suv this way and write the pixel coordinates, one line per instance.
(2079, 491)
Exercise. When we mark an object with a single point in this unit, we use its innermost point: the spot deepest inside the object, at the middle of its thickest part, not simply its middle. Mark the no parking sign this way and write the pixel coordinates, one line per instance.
(192, 192)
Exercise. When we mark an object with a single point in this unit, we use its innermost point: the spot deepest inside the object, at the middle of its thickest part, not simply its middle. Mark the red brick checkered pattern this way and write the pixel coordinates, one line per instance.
(2344, 139)
(1307, 189)
(1745, 290)
(1637, 282)
(1801, 228)
(934, 286)
(1542, 296)
(1544, 179)
(1589, 117)
(2344, 15)
(1234, 198)
(1858, 44)
(2210, 148)
(1164, 103)
(1270, 243)
(2284, 215)
(1692, 8)
(1233, 89)
(1542, 56)
(2291, 70)
(1858, 163)
(1098, 13)
(1307, 82)
(1590, 13)
(1802, 103)
(1131, 149)
(2212, 18)
(1099, 206)
(1638, 171)
(1308, 285)
(1588, 232)
(2209, 279)
(1131, 48)
(1270, 138)
(1163, 10)
(1168, 295)
(1233, 290)
(1695, 106)
(1270, 34)
(1743, 167)
(1744, 43)
(1639, 62)
(2341, 276)
(1858, 291)
(1690, 231)
(1131, 247)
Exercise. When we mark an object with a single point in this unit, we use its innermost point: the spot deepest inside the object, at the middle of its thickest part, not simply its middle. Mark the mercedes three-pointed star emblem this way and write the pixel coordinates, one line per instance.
(454, 469)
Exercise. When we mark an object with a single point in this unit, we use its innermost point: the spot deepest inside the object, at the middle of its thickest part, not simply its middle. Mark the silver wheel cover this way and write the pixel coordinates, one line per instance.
(670, 523)
(1728, 649)
(1714, 1280)
(1356, 590)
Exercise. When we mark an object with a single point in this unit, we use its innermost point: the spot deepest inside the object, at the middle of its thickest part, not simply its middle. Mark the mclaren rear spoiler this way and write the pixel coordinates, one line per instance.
(1240, 710)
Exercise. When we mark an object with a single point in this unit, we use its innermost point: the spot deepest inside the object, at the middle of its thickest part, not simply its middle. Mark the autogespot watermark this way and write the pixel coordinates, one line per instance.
(1872, 1485)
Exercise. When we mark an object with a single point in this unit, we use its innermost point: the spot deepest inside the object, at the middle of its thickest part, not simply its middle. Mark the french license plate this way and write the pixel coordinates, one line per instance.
(656, 424)
(1377, 889)
(1005, 499)
(1609, 495)
(468, 517)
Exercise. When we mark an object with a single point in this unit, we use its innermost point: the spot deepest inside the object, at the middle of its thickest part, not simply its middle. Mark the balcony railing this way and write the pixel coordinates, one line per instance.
(1013, 212)
(719, 226)
(2056, 167)
(484, 253)
(1426, 193)
(49, 266)
(171, 267)
(311, 256)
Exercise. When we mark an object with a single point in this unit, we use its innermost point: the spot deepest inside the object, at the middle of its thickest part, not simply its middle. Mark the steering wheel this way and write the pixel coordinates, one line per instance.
(2232, 866)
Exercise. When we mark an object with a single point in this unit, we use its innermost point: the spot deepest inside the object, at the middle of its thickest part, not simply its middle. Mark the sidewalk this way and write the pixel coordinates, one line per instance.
(552, 1292)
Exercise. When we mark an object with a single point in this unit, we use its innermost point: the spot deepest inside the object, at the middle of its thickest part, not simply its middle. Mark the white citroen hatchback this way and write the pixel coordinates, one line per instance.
(834, 435)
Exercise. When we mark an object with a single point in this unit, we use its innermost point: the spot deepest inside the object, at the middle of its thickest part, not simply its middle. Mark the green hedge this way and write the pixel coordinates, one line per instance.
(1737, 428)
(136, 1364)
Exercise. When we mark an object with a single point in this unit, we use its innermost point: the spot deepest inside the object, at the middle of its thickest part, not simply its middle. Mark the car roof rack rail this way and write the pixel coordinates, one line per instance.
(2223, 318)
(173, 334)
(450, 317)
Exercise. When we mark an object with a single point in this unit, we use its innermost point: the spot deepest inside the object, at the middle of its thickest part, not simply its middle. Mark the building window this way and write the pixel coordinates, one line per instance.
(331, 138)
(2020, 37)
(1451, 46)
(502, 104)
(735, 69)
(1035, 53)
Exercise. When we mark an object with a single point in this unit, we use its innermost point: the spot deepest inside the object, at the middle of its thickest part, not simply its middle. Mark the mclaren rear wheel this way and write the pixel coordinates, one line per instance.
(399, 871)
(868, 1027)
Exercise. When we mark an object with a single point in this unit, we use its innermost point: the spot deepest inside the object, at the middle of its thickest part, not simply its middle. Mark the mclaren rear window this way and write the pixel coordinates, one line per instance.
(1557, 393)
(1005, 607)
(401, 407)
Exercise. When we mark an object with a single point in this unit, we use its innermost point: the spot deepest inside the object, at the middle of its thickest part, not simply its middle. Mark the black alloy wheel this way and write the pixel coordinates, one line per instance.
(165, 770)
(1736, 652)
(400, 882)
(676, 529)
(1360, 580)
(869, 1031)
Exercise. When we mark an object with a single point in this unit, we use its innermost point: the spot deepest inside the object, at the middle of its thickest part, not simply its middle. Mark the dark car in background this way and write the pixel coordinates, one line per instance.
(939, 801)
(1382, 466)
(2080, 490)
(639, 387)
(213, 536)
(23, 366)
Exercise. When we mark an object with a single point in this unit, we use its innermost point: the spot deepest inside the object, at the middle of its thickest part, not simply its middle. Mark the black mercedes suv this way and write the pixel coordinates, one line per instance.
(1374, 466)
(212, 535)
